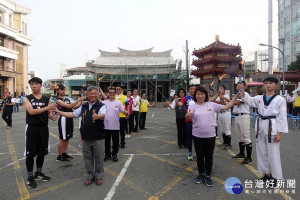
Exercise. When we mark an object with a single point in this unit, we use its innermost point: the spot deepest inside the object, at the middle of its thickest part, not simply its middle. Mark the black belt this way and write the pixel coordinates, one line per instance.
(224, 111)
(270, 125)
(241, 114)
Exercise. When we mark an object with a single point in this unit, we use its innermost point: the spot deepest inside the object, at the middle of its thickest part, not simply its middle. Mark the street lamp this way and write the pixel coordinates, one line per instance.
(281, 41)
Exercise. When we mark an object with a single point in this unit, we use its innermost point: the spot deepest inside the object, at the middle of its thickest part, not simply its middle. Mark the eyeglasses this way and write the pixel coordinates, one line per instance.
(118, 89)
(111, 92)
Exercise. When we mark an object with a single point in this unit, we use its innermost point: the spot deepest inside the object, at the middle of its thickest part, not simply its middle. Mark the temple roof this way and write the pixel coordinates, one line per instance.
(290, 75)
(138, 53)
(230, 71)
(134, 58)
(216, 59)
(79, 69)
(218, 46)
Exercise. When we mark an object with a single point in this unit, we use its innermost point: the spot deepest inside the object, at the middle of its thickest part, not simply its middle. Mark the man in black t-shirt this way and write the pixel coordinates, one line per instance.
(7, 109)
(38, 110)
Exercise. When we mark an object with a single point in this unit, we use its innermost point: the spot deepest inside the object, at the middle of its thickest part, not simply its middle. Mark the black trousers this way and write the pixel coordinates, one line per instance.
(123, 126)
(131, 123)
(7, 116)
(181, 132)
(189, 129)
(290, 107)
(143, 119)
(296, 110)
(114, 135)
(126, 126)
(136, 115)
(204, 148)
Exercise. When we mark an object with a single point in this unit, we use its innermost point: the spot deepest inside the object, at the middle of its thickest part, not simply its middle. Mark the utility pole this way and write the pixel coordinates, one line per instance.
(127, 78)
(187, 66)
(270, 27)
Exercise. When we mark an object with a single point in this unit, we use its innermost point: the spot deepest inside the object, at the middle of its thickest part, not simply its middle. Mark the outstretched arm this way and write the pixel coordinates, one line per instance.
(69, 106)
(65, 114)
(213, 99)
(248, 100)
(231, 103)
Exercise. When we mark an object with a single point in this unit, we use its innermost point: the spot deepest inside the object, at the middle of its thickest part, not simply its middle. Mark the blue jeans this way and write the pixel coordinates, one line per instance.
(189, 127)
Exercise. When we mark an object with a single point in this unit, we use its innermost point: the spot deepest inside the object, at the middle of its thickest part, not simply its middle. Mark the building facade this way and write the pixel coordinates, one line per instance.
(289, 30)
(14, 44)
(148, 71)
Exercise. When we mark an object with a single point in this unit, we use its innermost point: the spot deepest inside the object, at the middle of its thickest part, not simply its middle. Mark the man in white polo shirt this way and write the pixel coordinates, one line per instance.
(136, 109)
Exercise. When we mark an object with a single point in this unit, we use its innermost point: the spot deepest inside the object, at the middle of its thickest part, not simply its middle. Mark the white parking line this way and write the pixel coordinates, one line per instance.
(12, 163)
(112, 190)
(23, 157)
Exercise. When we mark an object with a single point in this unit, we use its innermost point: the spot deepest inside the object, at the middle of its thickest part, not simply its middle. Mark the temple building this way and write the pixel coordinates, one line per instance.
(145, 70)
(215, 60)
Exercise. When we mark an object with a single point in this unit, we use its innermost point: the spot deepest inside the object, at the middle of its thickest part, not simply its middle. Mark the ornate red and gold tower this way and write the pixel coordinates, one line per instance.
(215, 60)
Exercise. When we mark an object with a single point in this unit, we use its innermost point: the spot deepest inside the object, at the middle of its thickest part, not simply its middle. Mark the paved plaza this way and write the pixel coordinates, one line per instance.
(150, 167)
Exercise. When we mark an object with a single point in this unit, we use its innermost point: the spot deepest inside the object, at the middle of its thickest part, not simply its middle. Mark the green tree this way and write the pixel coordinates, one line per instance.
(295, 65)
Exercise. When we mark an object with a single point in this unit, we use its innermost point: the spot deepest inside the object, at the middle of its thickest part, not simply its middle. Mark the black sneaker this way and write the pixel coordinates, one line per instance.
(67, 156)
(208, 181)
(122, 146)
(265, 178)
(199, 179)
(39, 176)
(62, 159)
(115, 158)
(238, 156)
(247, 161)
(106, 157)
(226, 147)
(31, 182)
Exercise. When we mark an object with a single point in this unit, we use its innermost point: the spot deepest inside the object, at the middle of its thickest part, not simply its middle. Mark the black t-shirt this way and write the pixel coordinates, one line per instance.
(37, 104)
(86, 100)
(8, 107)
(61, 108)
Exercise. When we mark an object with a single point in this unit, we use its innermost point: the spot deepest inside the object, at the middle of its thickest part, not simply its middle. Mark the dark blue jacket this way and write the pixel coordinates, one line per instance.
(91, 130)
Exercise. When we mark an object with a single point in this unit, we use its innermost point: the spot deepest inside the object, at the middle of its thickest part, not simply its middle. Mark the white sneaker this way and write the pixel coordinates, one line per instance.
(80, 145)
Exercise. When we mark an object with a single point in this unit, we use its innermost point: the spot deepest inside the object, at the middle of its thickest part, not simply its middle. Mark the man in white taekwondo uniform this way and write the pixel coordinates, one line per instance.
(242, 127)
(224, 119)
(272, 121)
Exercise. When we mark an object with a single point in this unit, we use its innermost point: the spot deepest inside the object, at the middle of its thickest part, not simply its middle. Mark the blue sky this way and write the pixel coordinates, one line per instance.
(69, 31)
